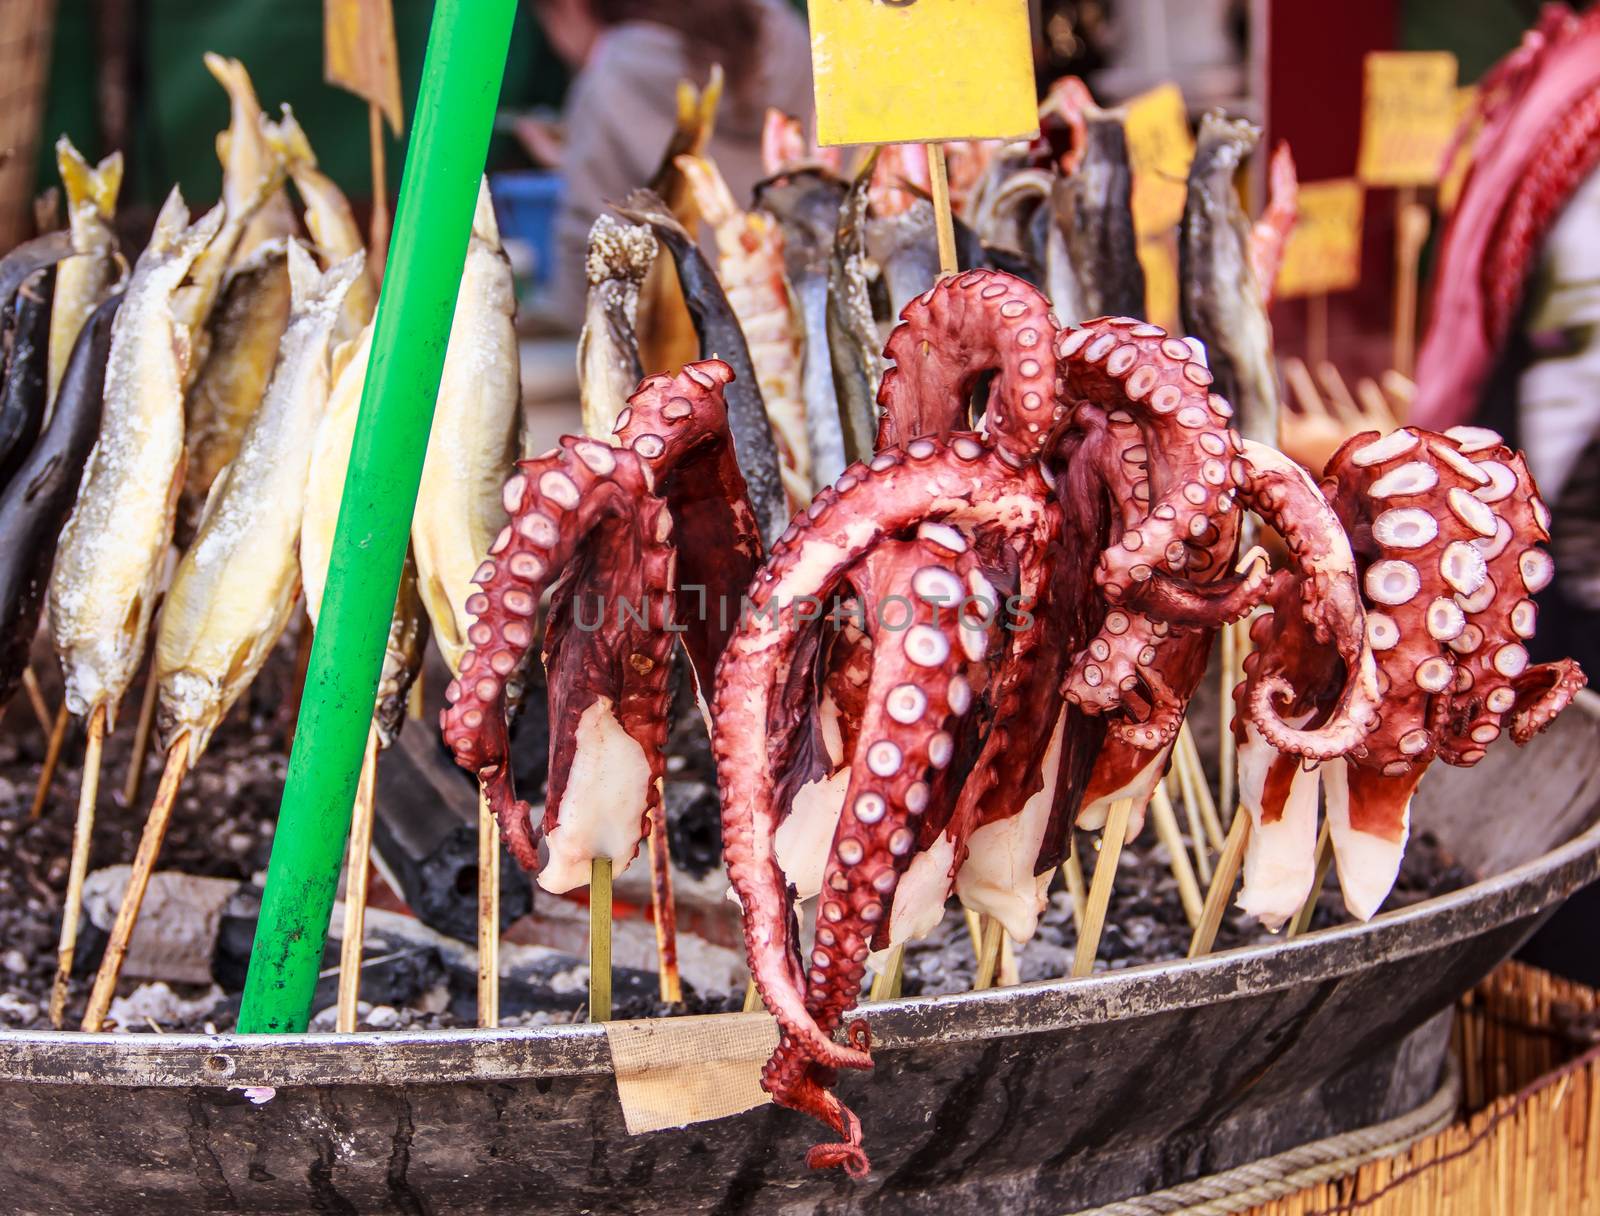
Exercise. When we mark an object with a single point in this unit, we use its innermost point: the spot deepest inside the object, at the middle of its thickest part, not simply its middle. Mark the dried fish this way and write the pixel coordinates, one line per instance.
(88, 277)
(330, 460)
(236, 586)
(609, 370)
(1093, 209)
(721, 338)
(474, 439)
(35, 505)
(103, 587)
(854, 345)
(1222, 302)
(806, 203)
(331, 224)
(23, 392)
(906, 250)
(252, 171)
(750, 264)
(244, 331)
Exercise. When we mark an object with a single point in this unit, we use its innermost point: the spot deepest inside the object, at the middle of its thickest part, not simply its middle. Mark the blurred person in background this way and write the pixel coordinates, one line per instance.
(628, 57)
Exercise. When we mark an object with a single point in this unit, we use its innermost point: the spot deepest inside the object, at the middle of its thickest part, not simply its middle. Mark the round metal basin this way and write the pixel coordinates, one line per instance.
(1046, 1098)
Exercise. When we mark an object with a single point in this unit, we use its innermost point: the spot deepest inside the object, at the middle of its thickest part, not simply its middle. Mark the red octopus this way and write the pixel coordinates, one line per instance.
(1097, 503)
(1446, 530)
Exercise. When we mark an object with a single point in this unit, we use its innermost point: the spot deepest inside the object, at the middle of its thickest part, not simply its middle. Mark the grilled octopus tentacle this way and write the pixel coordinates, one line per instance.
(910, 594)
(582, 505)
(962, 484)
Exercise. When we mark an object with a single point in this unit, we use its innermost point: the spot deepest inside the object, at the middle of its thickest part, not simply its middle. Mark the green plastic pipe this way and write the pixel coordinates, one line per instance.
(438, 191)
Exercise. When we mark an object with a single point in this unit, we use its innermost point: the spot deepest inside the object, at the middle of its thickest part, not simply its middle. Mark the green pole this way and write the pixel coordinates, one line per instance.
(449, 142)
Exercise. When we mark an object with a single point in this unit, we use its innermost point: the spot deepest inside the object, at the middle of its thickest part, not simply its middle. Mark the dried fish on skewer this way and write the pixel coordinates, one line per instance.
(87, 277)
(474, 438)
(332, 225)
(618, 260)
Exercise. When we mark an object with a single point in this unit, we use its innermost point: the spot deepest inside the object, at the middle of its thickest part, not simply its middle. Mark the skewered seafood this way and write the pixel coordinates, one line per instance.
(720, 337)
(474, 437)
(23, 393)
(750, 266)
(619, 257)
(1104, 514)
(103, 588)
(1093, 209)
(619, 527)
(87, 277)
(332, 226)
(234, 589)
(1447, 529)
(35, 506)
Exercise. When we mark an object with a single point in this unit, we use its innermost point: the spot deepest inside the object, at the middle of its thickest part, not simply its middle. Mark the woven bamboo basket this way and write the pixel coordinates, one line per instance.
(1527, 1046)
(26, 27)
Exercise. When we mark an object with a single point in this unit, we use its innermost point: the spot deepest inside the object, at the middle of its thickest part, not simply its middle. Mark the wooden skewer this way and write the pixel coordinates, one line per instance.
(752, 996)
(1375, 406)
(974, 932)
(82, 835)
(1411, 233)
(52, 757)
(489, 923)
(1197, 832)
(144, 864)
(380, 193)
(600, 939)
(943, 223)
(1105, 874)
(1166, 821)
(1302, 918)
(1221, 889)
(886, 984)
(1317, 326)
(663, 907)
(1072, 872)
(357, 869)
(1304, 387)
(1010, 974)
(1400, 388)
(1338, 391)
(988, 954)
(1232, 664)
(41, 711)
(1202, 787)
(141, 739)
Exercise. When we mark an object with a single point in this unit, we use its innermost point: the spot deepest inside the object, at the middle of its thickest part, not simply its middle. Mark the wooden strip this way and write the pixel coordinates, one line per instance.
(1100, 888)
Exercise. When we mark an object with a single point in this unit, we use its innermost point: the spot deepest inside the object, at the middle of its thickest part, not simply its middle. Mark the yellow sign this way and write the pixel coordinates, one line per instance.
(1160, 147)
(1324, 249)
(1158, 257)
(1455, 173)
(902, 71)
(359, 53)
(1408, 116)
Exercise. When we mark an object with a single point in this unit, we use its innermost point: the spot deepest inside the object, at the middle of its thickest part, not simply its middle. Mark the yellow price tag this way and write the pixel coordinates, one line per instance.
(1408, 115)
(1160, 147)
(902, 71)
(1323, 253)
(1158, 257)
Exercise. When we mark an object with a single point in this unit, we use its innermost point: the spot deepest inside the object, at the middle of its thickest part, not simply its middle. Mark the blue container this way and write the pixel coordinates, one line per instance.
(526, 203)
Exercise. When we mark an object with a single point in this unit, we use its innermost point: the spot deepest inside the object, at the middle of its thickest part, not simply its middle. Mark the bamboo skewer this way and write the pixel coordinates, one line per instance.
(355, 890)
(752, 995)
(663, 907)
(1196, 777)
(141, 739)
(35, 694)
(988, 954)
(600, 939)
(974, 932)
(380, 192)
(944, 224)
(886, 984)
(1166, 822)
(82, 835)
(1302, 918)
(1221, 889)
(1100, 887)
(144, 864)
(1197, 832)
(1009, 974)
(489, 924)
(1411, 233)
(1232, 664)
(52, 757)
(1072, 873)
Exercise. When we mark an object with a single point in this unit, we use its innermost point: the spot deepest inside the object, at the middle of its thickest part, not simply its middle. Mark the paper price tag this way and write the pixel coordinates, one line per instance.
(1160, 147)
(1408, 116)
(1323, 253)
(903, 71)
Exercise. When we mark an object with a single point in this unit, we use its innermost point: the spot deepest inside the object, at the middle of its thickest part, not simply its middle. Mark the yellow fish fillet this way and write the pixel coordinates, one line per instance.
(236, 586)
(86, 278)
(474, 439)
(329, 220)
(103, 586)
